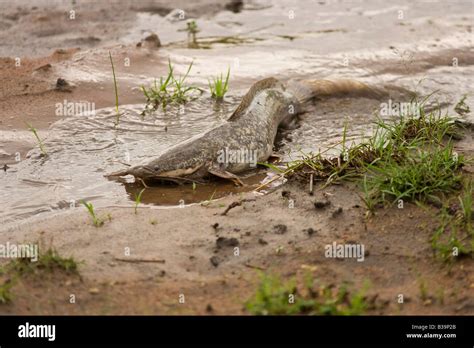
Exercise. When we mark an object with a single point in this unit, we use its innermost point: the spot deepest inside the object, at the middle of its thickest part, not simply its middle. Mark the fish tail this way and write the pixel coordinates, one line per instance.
(307, 90)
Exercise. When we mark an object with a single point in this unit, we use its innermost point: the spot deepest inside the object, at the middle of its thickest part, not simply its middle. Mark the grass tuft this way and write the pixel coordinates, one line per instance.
(40, 142)
(5, 292)
(138, 199)
(411, 158)
(50, 261)
(169, 90)
(275, 297)
(117, 119)
(95, 219)
(454, 236)
(219, 86)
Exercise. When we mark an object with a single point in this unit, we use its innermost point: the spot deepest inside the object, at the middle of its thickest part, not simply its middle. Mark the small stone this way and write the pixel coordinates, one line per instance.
(310, 231)
(262, 241)
(94, 291)
(214, 261)
(321, 204)
(222, 242)
(63, 86)
(151, 41)
(337, 212)
(280, 229)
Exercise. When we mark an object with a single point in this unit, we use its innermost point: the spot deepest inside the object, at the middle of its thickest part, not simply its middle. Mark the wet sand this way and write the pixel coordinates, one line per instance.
(367, 42)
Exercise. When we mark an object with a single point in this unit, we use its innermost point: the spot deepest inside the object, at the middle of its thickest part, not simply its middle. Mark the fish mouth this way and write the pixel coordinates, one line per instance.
(147, 172)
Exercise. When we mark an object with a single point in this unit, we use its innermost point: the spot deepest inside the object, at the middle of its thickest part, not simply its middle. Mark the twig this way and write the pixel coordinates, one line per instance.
(138, 260)
(254, 267)
(236, 204)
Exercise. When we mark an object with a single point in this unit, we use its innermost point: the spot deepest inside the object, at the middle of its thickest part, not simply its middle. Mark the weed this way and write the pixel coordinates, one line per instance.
(5, 292)
(454, 237)
(51, 260)
(117, 120)
(419, 176)
(138, 199)
(461, 107)
(274, 297)
(219, 86)
(48, 261)
(170, 90)
(423, 290)
(192, 29)
(208, 202)
(40, 142)
(410, 158)
(180, 89)
(465, 201)
(95, 219)
(369, 198)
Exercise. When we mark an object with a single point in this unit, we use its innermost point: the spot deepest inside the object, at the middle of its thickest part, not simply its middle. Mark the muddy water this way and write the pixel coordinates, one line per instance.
(366, 41)
(82, 148)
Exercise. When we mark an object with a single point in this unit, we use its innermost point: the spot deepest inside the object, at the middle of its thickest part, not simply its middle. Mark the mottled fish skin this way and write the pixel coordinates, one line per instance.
(254, 129)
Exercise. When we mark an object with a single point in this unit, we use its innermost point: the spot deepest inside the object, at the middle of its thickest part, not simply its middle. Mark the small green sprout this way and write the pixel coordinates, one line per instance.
(219, 86)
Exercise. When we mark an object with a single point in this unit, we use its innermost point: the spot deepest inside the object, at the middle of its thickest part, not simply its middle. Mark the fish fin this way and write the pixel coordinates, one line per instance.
(257, 87)
(225, 175)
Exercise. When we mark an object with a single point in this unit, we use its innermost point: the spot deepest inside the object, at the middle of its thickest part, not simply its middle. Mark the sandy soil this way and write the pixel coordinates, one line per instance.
(192, 248)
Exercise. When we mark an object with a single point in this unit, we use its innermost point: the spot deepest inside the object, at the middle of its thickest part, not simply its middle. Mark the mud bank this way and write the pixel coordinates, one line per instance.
(157, 254)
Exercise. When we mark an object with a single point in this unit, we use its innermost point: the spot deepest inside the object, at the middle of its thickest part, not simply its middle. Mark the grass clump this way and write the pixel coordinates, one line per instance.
(95, 219)
(49, 261)
(169, 90)
(275, 297)
(192, 29)
(38, 139)
(454, 237)
(5, 292)
(219, 86)
(461, 107)
(421, 175)
(410, 158)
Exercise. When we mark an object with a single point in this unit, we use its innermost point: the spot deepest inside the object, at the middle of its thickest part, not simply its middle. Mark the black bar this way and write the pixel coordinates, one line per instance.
(137, 330)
